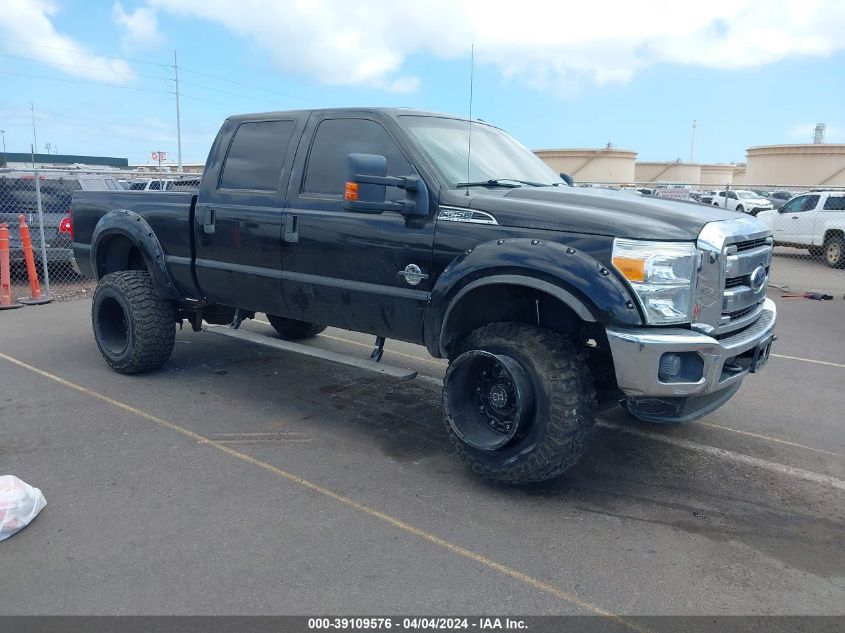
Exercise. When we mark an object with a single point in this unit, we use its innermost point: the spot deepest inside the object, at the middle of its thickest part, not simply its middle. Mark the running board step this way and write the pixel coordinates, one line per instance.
(289, 346)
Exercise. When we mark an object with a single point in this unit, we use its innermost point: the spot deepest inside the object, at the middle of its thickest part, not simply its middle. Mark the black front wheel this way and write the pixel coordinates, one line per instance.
(134, 328)
(519, 402)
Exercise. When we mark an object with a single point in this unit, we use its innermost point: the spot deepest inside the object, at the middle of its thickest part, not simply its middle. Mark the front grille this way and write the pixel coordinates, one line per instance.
(732, 253)
(749, 244)
(738, 314)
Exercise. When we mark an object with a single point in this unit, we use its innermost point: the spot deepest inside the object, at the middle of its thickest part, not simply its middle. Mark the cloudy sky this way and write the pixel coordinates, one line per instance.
(554, 73)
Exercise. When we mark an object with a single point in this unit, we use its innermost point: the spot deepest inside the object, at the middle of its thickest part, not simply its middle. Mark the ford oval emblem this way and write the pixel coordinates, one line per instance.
(758, 278)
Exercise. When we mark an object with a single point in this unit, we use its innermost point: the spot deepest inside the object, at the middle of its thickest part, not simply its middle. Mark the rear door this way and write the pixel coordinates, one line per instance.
(830, 215)
(238, 216)
(343, 268)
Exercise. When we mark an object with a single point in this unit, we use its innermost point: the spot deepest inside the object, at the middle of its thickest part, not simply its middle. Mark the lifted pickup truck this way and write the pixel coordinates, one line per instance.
(544, 297)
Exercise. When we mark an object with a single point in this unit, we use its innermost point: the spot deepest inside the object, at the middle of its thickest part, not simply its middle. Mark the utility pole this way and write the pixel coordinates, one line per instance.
(3, 134)
(34, 138)
(692, 144)
(178, 115)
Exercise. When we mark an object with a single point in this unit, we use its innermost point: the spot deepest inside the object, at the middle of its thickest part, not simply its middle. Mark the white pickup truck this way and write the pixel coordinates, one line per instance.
(815, 221)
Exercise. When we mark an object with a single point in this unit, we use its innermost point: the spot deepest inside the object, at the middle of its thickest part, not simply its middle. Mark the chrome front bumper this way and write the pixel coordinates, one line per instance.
(637, 353)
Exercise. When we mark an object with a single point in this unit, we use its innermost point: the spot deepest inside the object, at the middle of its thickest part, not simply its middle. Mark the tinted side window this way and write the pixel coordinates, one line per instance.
(334, 140)
(810, 203)
(257, 155)
(155, 185)
(835, 203)
(794, 205)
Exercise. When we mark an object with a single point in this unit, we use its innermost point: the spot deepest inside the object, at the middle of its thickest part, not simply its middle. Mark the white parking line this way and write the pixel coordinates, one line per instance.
(809, 360)
(781, 469)
(771, 439)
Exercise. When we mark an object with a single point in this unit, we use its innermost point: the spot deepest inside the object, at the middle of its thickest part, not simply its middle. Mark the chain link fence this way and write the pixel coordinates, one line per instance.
(38, 202)
(808, 224)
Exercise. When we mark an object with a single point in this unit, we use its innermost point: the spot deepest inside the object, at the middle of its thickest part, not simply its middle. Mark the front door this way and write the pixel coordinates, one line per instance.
(363, 272)
(787, 223)
(238, 218)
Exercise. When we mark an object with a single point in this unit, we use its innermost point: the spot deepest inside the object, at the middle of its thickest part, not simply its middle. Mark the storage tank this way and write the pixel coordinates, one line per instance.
(810, 164)
(674, 171)
(592, 165)
(718, 175)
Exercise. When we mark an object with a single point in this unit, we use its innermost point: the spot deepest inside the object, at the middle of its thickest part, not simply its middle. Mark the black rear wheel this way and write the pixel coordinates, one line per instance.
(519, 403)
(134, 328)
(834, 251)
(292, 330)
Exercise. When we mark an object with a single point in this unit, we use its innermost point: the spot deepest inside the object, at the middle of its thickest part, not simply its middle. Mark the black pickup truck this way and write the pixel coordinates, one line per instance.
(545, 298)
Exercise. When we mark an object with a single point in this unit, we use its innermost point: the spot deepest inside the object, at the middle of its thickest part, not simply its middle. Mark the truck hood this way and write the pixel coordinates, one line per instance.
(600, 212)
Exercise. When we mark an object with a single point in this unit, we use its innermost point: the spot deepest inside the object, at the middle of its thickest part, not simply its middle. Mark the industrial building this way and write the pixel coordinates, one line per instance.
(22, 160)
(816, 164)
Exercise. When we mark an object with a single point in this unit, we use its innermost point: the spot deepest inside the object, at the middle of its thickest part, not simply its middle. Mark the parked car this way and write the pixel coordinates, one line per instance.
(545, 298)
(815, 221)
(741, 200)
(18, 195)
(780, 198)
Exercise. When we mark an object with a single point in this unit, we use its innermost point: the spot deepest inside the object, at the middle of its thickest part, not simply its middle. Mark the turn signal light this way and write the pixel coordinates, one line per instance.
(351, 192)
(631, 268)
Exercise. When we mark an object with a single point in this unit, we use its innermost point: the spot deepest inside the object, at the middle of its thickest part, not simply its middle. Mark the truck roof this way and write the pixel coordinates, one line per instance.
(391, 112)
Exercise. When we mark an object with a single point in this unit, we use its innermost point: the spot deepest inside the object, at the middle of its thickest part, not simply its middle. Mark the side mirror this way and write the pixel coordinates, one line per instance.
(366, 188)
(567, 179)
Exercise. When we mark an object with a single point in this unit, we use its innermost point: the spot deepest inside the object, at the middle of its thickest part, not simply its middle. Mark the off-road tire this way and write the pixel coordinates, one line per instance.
(292, 330)
(835, 244)
(564, 405)
(135, 329)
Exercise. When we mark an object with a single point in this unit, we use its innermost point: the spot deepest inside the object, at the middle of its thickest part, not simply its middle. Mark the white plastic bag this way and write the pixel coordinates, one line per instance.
(20, 503)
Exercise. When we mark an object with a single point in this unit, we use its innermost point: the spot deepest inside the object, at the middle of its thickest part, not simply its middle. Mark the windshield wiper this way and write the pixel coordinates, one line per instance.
(511, 183)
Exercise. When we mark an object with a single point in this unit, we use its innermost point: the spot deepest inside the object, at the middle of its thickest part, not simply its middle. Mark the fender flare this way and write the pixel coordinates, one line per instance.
(578, 280)
(137, 230)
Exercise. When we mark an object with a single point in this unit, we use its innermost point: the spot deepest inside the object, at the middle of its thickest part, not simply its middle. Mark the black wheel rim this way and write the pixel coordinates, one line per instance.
(113, 326)
(488, 399)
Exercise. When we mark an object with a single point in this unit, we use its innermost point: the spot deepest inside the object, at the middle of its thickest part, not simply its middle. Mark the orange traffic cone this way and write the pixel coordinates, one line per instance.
(34, 285)
(5, 281)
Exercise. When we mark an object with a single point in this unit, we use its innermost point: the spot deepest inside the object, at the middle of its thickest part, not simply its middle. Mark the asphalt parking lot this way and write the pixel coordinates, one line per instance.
(241, 480)
(795, 270)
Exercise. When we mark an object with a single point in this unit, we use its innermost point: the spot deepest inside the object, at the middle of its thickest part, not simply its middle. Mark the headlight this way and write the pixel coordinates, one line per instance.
(661, 275)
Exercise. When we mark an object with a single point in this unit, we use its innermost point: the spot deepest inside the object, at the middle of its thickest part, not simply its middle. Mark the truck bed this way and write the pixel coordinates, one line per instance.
(169, 214)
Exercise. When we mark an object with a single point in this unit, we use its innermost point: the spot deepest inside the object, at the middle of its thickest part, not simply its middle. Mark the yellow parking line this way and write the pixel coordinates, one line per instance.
(347, 501)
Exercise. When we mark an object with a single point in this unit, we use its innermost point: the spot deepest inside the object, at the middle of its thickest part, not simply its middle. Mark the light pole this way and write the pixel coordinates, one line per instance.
(3, 134)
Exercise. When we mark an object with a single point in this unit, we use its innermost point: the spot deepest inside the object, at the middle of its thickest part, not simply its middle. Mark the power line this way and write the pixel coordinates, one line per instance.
(82, 81)
(103, 70)
(76, 50)
(159, 64)
(246, 85)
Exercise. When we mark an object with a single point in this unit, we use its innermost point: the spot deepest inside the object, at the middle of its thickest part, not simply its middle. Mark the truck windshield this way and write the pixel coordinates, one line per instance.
(495, 157)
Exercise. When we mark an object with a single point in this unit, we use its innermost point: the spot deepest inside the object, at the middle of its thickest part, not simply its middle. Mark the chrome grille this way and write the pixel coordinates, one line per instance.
(726, 299)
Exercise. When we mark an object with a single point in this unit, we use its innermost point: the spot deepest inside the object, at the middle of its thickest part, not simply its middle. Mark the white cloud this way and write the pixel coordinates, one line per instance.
(26, 27)
(548, 44)
(140, 26)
